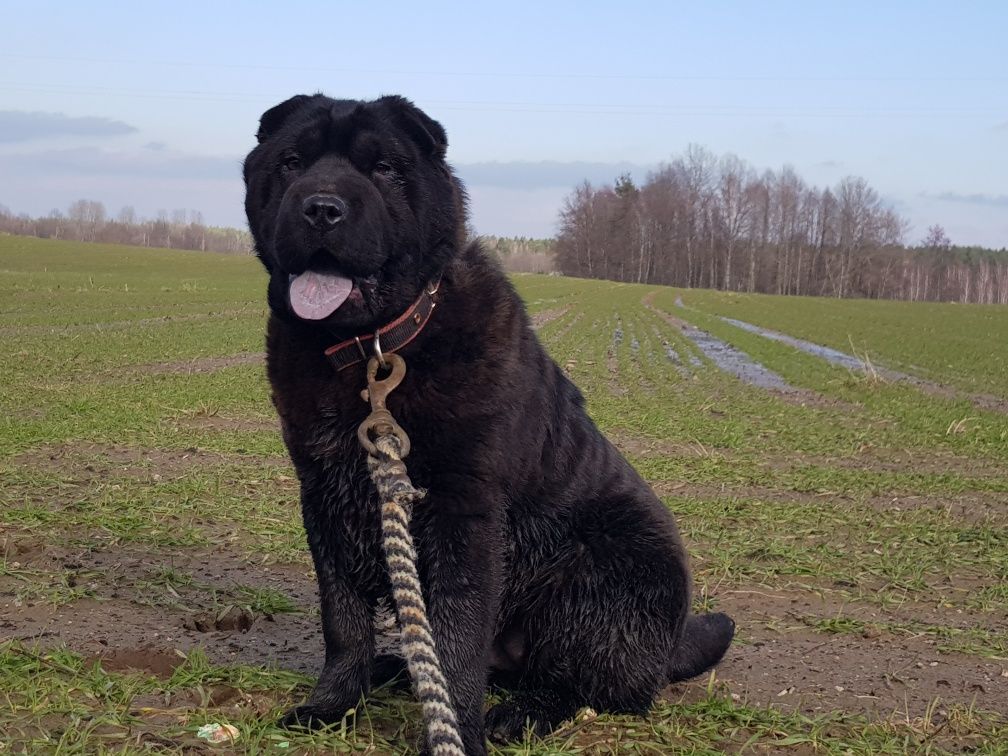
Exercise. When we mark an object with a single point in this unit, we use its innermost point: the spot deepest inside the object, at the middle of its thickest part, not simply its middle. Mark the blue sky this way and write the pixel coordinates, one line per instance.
(154, 104)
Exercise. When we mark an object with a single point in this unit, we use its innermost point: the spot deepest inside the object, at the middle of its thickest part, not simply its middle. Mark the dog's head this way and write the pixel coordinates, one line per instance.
(352, 207)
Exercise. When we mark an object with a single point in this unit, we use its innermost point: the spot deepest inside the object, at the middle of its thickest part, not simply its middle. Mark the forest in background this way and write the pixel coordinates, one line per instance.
(87, 220)
(699, 221)
(708, 221)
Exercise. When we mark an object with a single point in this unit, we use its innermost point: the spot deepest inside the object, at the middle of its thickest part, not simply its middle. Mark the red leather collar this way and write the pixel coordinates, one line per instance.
(388, 338)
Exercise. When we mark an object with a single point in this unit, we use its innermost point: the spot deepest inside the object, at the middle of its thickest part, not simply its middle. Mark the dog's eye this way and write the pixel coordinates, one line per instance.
(292, 163)
(384, 167)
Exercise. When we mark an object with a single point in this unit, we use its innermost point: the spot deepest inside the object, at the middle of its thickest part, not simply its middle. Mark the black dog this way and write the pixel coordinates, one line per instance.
(547, 563)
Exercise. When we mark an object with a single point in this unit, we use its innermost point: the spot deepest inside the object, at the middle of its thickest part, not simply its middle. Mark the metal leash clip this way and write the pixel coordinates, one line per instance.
(380, 422)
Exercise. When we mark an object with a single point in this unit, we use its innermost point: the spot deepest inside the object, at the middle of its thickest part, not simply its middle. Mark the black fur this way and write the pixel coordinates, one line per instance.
(547, 563)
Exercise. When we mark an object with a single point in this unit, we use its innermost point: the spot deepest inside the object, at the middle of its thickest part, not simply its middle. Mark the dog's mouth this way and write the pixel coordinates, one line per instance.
(316, 295)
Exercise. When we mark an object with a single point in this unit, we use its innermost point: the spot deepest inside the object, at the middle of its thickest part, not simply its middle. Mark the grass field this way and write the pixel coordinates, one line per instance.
(154, 576)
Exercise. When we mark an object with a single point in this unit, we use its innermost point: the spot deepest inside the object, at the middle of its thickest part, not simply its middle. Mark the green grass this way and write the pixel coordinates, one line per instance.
(869, 495)
(60, 702)
(956, 344)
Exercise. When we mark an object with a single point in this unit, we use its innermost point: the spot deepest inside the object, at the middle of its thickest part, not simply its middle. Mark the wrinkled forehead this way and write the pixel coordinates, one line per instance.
(335, 125)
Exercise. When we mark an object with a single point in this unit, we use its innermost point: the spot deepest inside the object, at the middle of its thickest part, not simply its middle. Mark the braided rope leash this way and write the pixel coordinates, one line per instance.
(390, 445)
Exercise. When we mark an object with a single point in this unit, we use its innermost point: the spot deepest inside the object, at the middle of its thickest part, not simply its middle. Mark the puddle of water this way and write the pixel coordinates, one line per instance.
(734, 361)
(835, 357)
(831, 355)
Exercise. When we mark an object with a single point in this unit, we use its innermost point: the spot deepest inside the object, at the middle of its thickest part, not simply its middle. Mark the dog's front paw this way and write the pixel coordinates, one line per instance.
(312, 717)
(507, 722)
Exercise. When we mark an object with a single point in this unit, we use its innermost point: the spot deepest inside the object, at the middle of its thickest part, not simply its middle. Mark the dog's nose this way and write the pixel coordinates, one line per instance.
(323, 211)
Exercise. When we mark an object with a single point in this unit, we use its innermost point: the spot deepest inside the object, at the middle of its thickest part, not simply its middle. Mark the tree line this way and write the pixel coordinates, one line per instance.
(710, 221)
(87, 220)
(519, 254)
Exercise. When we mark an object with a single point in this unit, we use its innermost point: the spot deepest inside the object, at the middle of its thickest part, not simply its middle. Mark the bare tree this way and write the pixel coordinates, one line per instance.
(703, 221)
(735, 183)
(936, 239)
(86, 220)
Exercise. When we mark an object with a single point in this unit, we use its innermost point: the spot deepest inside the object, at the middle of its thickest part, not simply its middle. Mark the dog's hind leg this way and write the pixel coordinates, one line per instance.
(704, 640)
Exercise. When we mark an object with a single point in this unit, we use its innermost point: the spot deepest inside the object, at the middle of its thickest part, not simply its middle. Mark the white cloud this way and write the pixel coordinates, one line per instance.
(22, 126)
(151, 162)
(992, 200)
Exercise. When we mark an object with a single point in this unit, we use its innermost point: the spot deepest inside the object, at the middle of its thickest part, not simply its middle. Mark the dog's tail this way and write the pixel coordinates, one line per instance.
(704, 640)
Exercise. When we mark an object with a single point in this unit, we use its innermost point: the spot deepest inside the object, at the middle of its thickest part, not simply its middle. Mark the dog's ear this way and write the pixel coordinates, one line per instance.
(424, 130)
(274, 118)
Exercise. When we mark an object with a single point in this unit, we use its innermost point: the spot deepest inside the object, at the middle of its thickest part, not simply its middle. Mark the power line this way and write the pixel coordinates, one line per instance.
(573, 108)
(505, 74)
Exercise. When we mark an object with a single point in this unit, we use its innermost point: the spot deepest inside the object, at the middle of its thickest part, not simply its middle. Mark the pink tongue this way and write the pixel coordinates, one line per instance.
(314, 296)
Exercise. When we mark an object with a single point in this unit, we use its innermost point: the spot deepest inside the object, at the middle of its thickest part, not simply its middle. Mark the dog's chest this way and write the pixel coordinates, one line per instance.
(342, 517)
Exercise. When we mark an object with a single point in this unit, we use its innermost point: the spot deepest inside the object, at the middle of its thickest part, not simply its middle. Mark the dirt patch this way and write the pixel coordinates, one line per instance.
(541, 318)
(131, 613)
(980, 401)
(221, 423)
(567, 327)
(82, 461)
(226, 620)
(640, 446)
(780, 661)
(934, 462)
(135, 612)
(717, 491)
(200, 364)
(976, 507)
(794, 608)
(158, 662)
(980, 507)
(113, 325)
(814, 672)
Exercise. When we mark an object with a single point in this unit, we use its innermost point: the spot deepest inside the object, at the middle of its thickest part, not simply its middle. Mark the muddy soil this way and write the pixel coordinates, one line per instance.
(541, 318)
(199, 364)
(126, 615)
(778, 660)
(82, 462)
